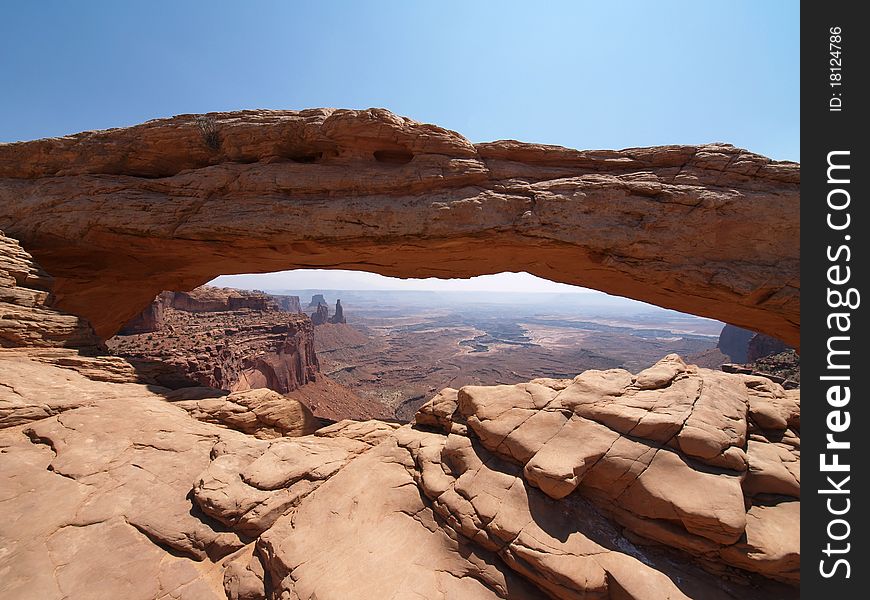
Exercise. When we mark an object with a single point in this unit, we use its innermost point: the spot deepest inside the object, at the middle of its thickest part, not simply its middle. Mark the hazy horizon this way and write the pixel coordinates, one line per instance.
(337, 279)
(480, 290)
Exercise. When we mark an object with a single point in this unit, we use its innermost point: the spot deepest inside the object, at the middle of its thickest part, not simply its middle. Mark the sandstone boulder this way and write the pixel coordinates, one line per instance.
(262, 413)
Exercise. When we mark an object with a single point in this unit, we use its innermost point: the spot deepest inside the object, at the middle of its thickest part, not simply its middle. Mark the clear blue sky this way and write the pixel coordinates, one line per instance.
(580, 74)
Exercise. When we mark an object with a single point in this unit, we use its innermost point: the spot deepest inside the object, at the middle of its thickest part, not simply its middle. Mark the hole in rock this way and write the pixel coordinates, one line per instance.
(352, 344)
(308, 158)
(393, 157)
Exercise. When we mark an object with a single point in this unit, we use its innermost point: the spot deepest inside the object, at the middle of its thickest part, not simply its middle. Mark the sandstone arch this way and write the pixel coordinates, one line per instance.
(119, 215)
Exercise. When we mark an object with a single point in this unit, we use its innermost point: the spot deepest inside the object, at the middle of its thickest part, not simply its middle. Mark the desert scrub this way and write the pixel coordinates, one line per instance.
(209, 131)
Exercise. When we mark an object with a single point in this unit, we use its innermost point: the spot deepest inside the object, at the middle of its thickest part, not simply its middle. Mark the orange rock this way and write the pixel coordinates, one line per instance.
(117, 216)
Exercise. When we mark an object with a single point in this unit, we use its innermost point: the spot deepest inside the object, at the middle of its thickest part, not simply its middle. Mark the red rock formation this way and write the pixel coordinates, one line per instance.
(261, 412)
(116, 216)
(743, 346)
(230, 350)
(207, 298)
(287, 303)
(641, 447)
(485, 479)
(763, 345)
(321, 315)
(338, 317)
(733, 342)
(316, 300)
(150, 319)
(675, 482)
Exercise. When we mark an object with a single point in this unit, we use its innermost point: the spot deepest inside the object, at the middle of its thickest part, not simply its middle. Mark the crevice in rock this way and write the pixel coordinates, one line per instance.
(37, 439)
(306, 158)
(393, 157)
(51, 468)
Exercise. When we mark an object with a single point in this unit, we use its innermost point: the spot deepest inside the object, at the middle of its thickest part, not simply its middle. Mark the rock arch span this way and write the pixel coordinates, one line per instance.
(118, 215)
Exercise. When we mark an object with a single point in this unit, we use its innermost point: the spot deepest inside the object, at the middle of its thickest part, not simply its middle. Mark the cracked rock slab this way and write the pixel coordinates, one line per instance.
(512, 495)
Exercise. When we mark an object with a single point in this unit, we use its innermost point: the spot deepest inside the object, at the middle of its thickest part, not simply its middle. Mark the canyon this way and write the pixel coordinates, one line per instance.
(671, 481)
(222, 339)
(238, 340)
(401, 348)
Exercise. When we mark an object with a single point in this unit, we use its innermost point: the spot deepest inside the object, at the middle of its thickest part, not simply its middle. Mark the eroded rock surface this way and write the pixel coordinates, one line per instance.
(675, 482)
(338, 317)
(262, 412)
(711, 230)
(26, 319)
(234, 349)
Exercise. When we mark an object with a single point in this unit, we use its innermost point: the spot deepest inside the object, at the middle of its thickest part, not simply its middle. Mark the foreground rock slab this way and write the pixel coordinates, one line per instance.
(596, 487)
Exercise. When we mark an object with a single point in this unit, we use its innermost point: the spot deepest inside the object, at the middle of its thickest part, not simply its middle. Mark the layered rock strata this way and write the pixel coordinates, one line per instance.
(321, 315)
(742, 346)
(151, 318)
(119, 215)
(207, 298)
(761, 346)
(642, 448)
(287, 303)
(674, 483)
(231, 350)
(26, 317)
(316, 300)
(734, 342)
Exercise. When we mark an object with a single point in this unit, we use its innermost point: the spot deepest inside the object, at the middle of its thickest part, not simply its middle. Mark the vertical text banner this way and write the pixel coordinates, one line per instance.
(835, 226)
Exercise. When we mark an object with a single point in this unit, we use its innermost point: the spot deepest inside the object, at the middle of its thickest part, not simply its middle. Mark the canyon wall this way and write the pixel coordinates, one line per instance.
(207, 299)
(734, 342)
(239, 349)
(743, 346)
(316, 300)
(119, 215)
(151, 318)
(761, 346)
(287, 303)
(212, 299)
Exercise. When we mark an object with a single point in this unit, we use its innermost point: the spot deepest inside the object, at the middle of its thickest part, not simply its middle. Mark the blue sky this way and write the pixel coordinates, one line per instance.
(579, 74)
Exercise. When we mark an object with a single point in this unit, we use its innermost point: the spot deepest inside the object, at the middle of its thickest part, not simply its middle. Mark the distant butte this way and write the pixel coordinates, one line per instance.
(116, 216)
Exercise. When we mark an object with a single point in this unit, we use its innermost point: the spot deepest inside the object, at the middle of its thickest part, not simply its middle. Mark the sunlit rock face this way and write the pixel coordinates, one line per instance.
(119, 215)
(228, 339)
(675, 482)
